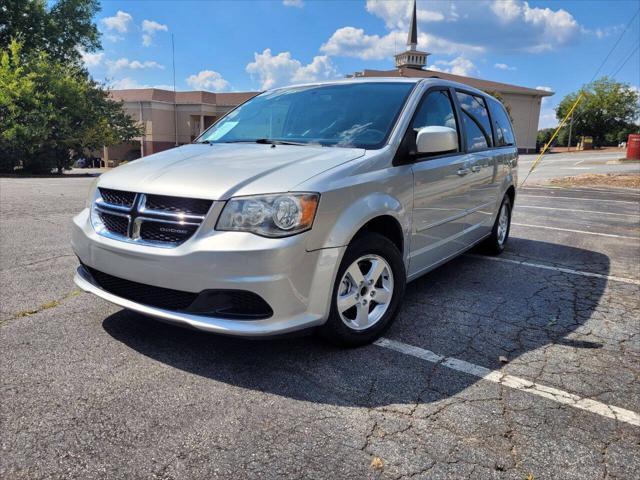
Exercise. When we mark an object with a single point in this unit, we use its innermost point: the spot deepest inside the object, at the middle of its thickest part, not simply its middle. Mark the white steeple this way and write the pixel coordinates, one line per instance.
(412, 58)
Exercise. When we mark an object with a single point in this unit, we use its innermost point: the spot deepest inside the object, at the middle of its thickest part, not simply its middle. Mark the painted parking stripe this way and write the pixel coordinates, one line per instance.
(632, 281)
(517, 383)
(547, 197)
(584, 232)
(518, 206)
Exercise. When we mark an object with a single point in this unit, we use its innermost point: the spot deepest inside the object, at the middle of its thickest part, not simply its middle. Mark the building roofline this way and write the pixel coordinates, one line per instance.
(182, 98)
(474, 82)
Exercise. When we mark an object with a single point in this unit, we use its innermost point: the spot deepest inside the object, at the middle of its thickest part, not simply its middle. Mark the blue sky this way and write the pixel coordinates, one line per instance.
(256, 44)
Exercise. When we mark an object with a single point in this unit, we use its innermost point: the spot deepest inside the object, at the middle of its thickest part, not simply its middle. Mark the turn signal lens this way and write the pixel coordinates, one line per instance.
(277, 215)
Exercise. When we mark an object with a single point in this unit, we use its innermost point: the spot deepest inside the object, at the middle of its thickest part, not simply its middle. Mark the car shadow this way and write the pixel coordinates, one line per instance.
(472, 309)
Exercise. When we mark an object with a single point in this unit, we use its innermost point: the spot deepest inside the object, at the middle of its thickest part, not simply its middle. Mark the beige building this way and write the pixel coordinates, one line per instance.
(169, 119)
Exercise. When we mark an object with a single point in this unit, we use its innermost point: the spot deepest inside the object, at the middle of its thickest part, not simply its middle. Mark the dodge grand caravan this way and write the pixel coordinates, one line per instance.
(307, 206)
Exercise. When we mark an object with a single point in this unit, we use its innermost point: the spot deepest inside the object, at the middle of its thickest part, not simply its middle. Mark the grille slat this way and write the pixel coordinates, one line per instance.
(189, 206)
(157, 220)
(117, 197)
(115, 223)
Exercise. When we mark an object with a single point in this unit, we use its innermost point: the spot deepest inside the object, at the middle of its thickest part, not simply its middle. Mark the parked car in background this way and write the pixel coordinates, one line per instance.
(306, 207)
(81, 163)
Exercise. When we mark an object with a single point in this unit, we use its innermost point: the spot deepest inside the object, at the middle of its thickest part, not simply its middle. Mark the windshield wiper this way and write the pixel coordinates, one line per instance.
(264, 141)
(268, 141)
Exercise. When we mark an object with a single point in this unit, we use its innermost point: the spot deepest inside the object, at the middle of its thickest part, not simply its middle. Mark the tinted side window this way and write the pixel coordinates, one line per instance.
(476, 121)
(435, 110)
(501, 125)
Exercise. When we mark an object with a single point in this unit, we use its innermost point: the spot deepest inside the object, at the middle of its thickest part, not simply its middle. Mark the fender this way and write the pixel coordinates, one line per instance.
(350, 220)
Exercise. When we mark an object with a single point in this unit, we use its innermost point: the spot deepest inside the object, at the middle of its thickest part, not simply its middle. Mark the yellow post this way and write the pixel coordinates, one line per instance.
(544, 149)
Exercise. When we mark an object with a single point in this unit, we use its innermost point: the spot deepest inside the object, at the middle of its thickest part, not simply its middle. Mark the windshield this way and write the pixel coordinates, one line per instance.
(348, 115)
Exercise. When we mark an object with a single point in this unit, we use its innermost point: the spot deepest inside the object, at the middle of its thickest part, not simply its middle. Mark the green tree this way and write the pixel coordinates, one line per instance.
(52, 112)
(59, 30)
(607, 108)
(544, 136)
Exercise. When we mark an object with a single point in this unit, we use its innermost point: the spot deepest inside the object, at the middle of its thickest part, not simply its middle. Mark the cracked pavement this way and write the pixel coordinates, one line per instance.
(91, 391)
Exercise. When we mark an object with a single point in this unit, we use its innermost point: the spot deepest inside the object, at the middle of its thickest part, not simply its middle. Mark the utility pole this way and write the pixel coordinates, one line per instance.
(570, 131)
(175, 107)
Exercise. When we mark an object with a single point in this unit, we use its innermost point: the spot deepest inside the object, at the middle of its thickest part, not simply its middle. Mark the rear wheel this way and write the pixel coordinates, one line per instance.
(500, 233)
(367, 291)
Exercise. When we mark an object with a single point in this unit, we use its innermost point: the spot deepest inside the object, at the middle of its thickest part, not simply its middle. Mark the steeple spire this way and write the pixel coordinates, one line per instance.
(412, 58)
(412, 38)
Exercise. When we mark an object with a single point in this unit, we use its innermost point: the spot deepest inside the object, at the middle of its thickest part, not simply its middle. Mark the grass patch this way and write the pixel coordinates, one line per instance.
(46, 306)
(624, 180)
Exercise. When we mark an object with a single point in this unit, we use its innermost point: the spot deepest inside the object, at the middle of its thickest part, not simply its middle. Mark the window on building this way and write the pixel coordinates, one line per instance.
(475, 118)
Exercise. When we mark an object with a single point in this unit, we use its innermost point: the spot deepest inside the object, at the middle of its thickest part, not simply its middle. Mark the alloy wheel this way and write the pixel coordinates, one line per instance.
(365, 292)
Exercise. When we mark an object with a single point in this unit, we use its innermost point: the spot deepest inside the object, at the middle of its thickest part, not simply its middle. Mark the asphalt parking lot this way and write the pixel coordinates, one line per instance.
(521, 366)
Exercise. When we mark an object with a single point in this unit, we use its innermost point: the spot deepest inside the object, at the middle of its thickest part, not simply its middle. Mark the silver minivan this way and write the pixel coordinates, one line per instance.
(306, 207)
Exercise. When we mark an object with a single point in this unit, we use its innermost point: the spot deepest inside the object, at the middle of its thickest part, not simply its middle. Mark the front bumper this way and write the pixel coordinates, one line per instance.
(296, 284)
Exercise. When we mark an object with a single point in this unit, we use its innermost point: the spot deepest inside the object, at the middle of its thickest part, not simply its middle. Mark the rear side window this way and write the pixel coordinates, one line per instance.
(501, 125)
(475, 118)
(435, 110)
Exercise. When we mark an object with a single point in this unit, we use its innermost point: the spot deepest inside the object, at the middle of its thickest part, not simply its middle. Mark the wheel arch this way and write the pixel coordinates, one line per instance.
(376, 212)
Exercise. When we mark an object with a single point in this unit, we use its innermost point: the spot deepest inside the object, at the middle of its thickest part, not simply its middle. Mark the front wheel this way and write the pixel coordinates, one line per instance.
(367, 292)
(496, 242)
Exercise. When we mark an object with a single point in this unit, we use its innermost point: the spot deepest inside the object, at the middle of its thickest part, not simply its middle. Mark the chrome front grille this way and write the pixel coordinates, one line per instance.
(157, 220)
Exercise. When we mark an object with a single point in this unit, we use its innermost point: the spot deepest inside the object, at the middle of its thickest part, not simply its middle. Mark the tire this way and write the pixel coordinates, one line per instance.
(361, 324)
(495, 243)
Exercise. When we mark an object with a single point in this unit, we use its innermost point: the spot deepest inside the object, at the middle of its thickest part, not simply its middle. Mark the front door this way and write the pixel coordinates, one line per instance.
(441, 188)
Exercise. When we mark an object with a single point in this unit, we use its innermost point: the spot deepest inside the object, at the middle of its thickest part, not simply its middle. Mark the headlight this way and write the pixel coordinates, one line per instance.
(91, 195)
(277, 215)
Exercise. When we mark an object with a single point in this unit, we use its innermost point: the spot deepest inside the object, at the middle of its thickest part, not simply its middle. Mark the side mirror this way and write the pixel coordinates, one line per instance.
(432, 140)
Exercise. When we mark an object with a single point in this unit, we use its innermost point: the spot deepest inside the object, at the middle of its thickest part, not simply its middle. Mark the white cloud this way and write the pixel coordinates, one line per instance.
(353, 42)
(494, 25)
(282, 69)
(208, 80)
(91, 59)
(507, 10)
(293, 3)
(556, 27)
(545, 100)
(458, 66)
(149, 29)
(396, 14)
(118, 23)
(125, 63)
(504, 66)
(547, 118)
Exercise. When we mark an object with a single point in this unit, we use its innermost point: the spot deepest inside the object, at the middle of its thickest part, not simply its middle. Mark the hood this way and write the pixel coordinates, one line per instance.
(220, 171)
